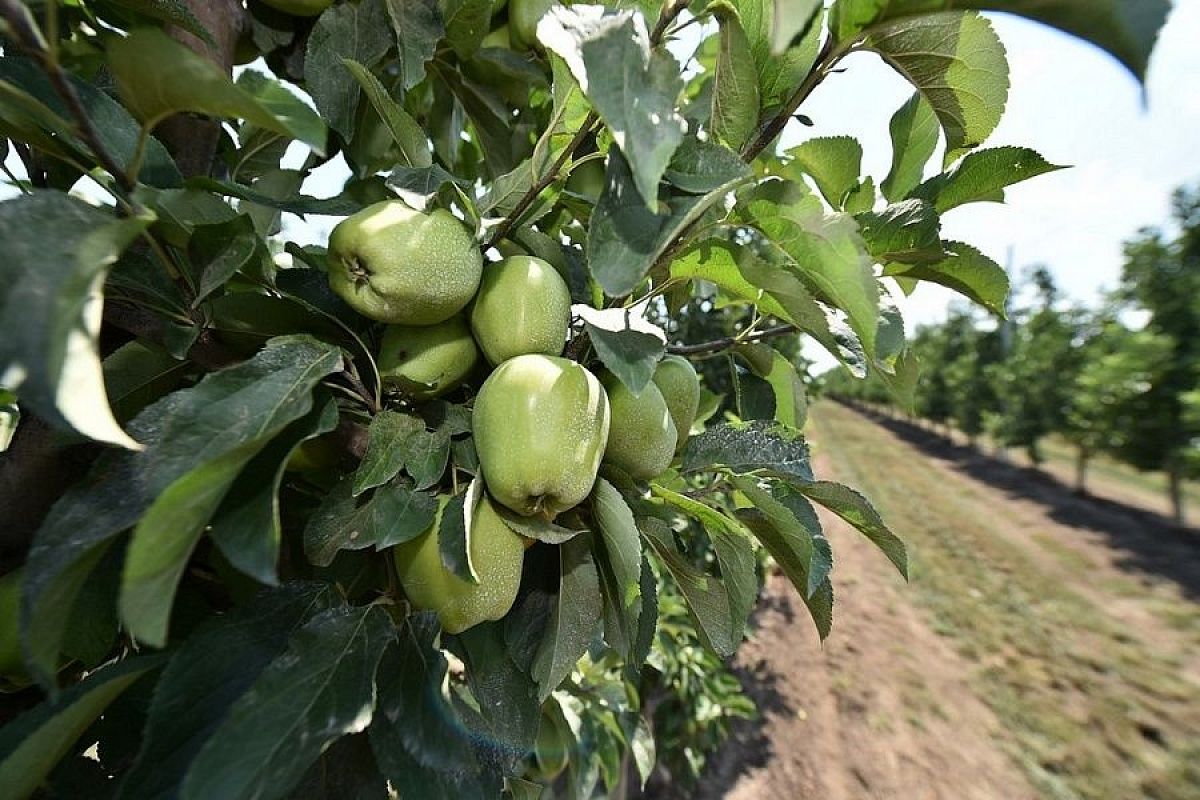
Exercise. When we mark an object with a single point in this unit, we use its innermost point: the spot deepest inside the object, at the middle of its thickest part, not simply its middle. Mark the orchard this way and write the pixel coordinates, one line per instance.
(457, 502)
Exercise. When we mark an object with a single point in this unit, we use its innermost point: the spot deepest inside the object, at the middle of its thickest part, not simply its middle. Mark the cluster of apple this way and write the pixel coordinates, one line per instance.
(542, 424)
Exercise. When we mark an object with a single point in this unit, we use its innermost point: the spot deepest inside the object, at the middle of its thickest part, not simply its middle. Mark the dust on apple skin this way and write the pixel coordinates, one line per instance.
(395, 264)
(541, 424)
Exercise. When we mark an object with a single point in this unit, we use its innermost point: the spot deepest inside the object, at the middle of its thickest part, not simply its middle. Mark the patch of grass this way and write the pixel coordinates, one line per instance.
(1087, 709)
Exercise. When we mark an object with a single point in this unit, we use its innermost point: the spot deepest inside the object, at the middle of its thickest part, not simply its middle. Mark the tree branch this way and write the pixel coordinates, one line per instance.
(30, 39)
(668, 15)
(509, 222)
(717, 345)
(768, 133)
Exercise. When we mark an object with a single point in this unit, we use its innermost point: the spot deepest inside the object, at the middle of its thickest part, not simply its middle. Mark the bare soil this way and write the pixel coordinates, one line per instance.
(1088, 628)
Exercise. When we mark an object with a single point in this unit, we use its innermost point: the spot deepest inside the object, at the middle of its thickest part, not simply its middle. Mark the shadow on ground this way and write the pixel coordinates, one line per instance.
(748, 746)
(1148, 543)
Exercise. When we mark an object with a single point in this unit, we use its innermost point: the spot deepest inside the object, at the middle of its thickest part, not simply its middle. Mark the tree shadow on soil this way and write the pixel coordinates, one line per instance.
(748, 745)
(1148, 543)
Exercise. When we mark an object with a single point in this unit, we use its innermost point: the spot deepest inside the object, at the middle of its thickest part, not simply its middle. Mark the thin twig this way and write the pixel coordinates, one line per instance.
(30, 40)
(717, 345)
(828, 56)
(669, 13)
(506, 225)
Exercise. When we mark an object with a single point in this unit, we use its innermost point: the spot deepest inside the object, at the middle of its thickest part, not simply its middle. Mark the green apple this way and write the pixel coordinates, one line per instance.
(12, 666)
(498, 38)
(523, 19)
(540, 426)
(552, 748)
(394, 264)
(497, 555)
(680, 386)
(642, 438)
(299, 8)
(523, 306)
(587, 179)
(427, 361)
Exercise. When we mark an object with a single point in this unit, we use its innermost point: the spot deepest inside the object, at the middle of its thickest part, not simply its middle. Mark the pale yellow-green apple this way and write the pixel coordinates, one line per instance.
(523, 306)
(523, 19)
(676, 378)
(427, 361)
(395, 264)
(540, 424)
(496, 554)
(587, 179)
(641, 440)
(497, 38)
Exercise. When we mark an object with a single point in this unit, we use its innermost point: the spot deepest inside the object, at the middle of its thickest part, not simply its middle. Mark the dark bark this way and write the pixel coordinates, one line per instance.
(37, 467)
(1175, 492)
(1082, 456)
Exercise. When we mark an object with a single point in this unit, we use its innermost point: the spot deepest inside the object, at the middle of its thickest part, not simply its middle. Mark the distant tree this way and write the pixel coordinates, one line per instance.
(1161, 276)
(1033, 384)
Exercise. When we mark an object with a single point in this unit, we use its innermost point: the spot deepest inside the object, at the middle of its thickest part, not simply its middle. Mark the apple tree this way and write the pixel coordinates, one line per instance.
(390, 512)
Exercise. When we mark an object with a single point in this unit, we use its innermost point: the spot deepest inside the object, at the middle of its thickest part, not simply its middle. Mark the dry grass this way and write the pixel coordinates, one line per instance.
(1091, 707)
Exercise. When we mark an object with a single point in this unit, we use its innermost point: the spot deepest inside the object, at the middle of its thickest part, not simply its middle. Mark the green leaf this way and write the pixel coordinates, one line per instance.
(284, 375)
(619, 560)
(735, 101)
(914, 131)
(855, 509)
(700, 166)
(629, 354)
(826, 251)
(234, 411)
(958, 63)
(779, 72)
(746, 447)
(966, 271)
(347, 31)
(321, 688)
(417, 186)
(467, 22)
(982, 176)
(573, 619)
(157, 76)
(175, 12)
(116, 129)
(536, 528)
(420, 742)
(406, 133)
(218, 251)
(834, 162)
(632, 87)
(338, 206)
(418, 28)
(907, 232)
(393, 514)
(707, 600)
(389, 447)
(454, 533)
(246, 526)
(499, 680)
(57, 253)
(624, 241)
(792, 535)
(791, 398)
(735, 556)
(136, 374)
(33, 743)
(206, 676)
(791, 18)
(1127, 29)
(297, 119)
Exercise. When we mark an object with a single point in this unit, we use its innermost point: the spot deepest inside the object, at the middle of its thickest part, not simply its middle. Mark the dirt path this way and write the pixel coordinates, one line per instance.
(1043, 650)
(882, 710)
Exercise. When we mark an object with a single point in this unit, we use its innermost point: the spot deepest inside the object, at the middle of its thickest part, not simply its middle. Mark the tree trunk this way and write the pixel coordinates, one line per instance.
(1175, 491)
(1082, 455)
